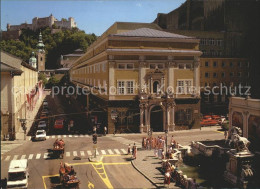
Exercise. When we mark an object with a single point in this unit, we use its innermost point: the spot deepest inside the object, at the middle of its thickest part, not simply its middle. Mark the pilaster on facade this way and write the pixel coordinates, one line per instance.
(196, 75)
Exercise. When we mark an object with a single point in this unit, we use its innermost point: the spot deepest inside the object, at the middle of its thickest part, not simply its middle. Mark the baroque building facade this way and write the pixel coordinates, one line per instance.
(141, 78)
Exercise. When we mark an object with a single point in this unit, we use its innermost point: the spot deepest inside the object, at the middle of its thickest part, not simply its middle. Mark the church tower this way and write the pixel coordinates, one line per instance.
(41, 54)
(33, 61)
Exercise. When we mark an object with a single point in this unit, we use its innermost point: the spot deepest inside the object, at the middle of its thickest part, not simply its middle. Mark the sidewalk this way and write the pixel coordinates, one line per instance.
(148, 165)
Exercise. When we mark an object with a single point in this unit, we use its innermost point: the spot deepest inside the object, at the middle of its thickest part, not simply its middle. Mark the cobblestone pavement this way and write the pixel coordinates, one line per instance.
(149, 166)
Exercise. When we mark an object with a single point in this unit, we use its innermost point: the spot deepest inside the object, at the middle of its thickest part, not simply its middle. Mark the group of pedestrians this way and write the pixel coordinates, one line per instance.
(153, 142)
(134, 150)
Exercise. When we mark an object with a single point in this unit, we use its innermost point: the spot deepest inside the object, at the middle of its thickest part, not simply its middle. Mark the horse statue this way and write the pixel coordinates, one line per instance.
(241, 143)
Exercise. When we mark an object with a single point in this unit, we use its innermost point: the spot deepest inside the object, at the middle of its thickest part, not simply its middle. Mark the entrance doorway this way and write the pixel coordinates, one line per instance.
(156, 119)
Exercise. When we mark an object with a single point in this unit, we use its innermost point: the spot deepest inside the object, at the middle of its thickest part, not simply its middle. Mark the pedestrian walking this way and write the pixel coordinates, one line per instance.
(167, 178)
(225, 134)
(129, 149)
(105, 130)
(134, 151)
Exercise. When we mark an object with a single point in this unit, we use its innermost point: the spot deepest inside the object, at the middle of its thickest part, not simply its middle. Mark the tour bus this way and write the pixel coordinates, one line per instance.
(18, 174)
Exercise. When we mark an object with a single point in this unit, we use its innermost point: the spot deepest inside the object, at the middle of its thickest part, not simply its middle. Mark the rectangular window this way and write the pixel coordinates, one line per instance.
(152, 66)
(206, 64)
(215, 75)
(188, 66)
(121, 87)
(188, 86)
(206, 98)
(231, 64)
(215, 98)
(239, 74)
(188, 114)
(104, 67)
(223, 64)
(223, 74)
(207, 74)
(130, 87)
(181, 66)
(180, 85)
(121, 66)
(215, 64)
(129, 66)
(231, 74)
(160, 66)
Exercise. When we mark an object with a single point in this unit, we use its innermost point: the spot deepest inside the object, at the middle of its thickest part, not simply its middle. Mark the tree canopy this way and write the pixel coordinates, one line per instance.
(56, 44)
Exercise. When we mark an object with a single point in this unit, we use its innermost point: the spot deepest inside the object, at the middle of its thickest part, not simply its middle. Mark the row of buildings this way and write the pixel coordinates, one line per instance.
(20, 90)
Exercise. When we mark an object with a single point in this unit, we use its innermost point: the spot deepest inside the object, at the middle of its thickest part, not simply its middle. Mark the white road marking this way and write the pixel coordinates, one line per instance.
(7, 158)
(103, 152)
(30, 138)
(15, 157)
(45, 155)
(23, 156)
(124, 151)
(86, 135)
(64, 136)
(82, 153)
(76, 135)
(97, 153)
(52, 136)
(110, 151)
(68, 154)
(38, 156)
(70, 135)
(89, 152)
(47, 137)
(81, 135)
(59, 136)
(117, 151)
(30, 156)
(75, 153)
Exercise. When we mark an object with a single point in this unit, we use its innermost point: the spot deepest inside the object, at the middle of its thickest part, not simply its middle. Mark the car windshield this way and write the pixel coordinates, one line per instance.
(16, 176)
(40, 132)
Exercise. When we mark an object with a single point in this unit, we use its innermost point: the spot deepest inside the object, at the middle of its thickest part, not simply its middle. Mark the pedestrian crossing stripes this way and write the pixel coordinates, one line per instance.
(30, 156)
(68, 154)
(82, 153)
(110, 152)
(65, 136)
(38, 156)
(75, 153)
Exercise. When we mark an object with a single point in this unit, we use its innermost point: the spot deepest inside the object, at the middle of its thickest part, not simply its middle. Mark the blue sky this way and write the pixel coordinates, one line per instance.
(93, 16)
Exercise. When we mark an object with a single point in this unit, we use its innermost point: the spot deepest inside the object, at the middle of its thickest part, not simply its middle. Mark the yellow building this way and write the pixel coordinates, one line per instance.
(141, 77)
(19, 92)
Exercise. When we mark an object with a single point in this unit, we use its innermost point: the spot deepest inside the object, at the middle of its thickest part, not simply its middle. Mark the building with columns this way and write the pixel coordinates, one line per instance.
(245, 114)
(139, 77)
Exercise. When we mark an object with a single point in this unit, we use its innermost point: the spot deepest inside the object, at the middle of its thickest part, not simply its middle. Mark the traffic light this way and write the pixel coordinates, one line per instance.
(94, 138)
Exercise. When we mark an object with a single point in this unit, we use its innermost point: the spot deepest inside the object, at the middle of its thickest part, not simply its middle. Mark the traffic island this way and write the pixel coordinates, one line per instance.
(95, 159)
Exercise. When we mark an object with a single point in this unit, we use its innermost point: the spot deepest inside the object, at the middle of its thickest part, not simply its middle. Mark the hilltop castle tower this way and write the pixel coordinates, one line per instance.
(41, 54)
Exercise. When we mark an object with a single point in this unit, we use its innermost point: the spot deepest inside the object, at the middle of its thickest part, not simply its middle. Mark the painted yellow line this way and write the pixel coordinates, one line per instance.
(113, 155)
(105, 179)
(220, 132)
(44, 184)
(122, 163)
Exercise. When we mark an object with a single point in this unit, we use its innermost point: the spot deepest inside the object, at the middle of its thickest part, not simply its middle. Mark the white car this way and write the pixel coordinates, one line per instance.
(42, 125)
(40, 135)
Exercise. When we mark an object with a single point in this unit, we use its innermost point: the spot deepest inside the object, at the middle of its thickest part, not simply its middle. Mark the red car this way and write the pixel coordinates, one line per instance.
(207, 117)
(59, 123)
(208, 122)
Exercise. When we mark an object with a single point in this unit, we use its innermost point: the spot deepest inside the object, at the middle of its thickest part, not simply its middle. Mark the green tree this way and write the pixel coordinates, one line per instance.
(42, 77)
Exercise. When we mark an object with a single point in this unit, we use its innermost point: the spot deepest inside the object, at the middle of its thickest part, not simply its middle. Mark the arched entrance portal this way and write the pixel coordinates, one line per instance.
(156, 119)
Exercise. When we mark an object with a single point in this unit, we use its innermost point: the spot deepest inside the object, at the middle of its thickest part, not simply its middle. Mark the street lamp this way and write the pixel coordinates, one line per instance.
(166, 135)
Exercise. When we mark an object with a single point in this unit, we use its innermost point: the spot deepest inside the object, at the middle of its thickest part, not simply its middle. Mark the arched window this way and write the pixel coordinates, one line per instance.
(156, 86)
(41, 58)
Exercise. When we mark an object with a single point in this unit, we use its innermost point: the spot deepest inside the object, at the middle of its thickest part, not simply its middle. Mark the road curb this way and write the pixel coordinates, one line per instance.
(133, 164)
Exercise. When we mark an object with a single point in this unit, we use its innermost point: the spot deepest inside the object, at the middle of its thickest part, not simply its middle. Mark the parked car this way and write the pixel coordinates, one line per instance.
(216, 117)
(40, 135)
(42, 125)
(207, 117)
(208, 122)
(43, 116)
(59, 123)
